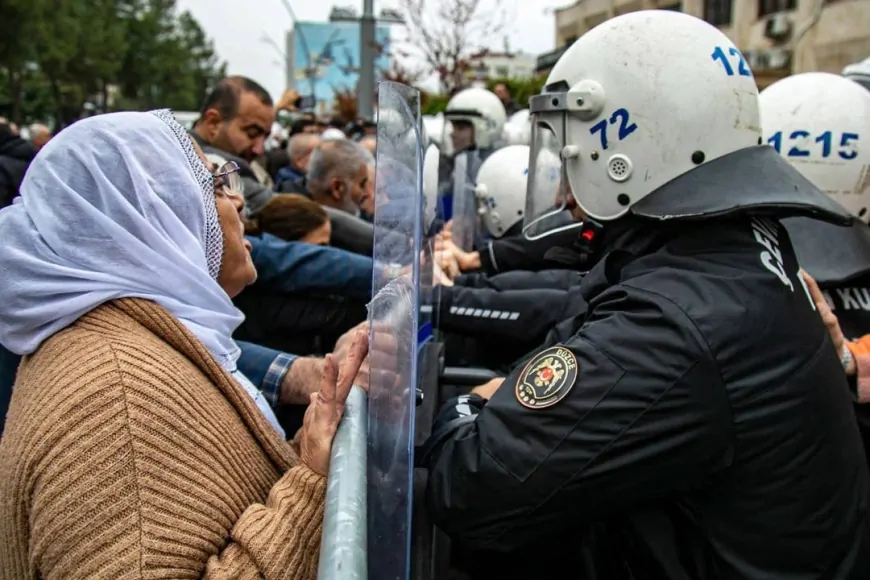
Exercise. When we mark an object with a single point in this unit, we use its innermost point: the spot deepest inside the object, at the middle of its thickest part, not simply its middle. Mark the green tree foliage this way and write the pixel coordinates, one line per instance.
(434, 103)
(58, 55)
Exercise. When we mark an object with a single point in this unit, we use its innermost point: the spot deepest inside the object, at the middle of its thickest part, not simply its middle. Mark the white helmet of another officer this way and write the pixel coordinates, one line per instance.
(517, 130)
(482, 111)
(859, 72)
(634, 104)
(816, 121)
(501, 189)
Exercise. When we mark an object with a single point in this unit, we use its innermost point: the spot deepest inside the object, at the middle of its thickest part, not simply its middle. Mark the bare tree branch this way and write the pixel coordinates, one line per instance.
(445, 34)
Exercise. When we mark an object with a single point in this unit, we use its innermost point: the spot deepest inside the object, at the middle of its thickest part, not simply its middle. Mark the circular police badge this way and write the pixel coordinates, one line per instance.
(547, 378)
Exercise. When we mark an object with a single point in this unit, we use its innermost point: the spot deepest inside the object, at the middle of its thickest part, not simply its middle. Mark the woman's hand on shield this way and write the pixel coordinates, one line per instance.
(327, 405)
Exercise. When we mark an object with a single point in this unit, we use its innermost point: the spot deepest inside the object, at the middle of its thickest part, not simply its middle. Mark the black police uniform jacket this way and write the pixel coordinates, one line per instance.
(696, 424)
(491, 321)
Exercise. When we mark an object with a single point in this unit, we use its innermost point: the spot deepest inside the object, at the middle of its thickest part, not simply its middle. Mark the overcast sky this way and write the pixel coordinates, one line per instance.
(236, 27)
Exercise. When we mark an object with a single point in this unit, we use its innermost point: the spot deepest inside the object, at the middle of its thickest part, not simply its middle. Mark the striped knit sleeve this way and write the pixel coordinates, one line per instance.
(280, 539)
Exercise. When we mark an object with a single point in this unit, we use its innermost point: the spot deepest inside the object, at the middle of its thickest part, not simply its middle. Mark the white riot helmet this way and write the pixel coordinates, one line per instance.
(815, 121)
(483, 110)
(859, 72)
(501, 188)
(517, 130)
(636, 102)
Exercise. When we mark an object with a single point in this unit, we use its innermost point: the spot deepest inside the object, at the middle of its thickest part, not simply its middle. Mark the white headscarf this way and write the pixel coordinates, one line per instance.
(114, 206)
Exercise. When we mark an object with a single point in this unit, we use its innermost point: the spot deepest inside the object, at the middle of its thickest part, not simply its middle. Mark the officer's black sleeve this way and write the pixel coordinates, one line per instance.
(522, 280)
(519, 253)
(646, 417)
(518, 315)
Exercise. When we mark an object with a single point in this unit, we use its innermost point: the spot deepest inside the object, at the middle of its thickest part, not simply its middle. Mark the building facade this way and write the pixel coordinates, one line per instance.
(499, 65)
(777, 37)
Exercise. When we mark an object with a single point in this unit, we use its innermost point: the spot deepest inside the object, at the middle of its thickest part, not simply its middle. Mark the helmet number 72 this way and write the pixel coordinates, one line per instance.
(626, 127)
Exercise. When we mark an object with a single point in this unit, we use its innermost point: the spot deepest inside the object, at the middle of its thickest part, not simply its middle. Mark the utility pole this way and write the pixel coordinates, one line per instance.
(367, 56)
(368, 51)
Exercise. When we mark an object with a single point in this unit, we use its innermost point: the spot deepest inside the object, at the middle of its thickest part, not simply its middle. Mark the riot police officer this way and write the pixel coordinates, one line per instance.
(473, 123)
(493, 320)
(816, 122)
(696, 424)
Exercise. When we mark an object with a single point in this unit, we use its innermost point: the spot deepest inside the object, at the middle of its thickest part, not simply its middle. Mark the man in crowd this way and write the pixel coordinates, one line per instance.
(304, 125)
(502, 91)
(291, 178)
(339, 179)
(39, 135)
(234, 123)
(15, 157)
(338, 176)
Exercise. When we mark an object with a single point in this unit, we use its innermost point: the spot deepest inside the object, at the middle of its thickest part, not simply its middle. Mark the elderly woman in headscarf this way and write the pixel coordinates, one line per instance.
(133, 446)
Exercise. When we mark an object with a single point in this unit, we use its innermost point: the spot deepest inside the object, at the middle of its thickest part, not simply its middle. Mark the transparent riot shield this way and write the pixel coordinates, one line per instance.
(464, 214)
(402, 279)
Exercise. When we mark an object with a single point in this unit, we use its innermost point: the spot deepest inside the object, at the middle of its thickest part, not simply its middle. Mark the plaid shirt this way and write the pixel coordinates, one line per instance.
(265, 368)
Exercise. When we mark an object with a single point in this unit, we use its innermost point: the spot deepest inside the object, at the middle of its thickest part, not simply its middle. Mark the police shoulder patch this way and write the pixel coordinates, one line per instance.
(548, 377)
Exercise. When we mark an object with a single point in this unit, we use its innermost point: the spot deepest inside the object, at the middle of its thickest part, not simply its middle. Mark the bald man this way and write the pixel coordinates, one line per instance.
(292, 178)
(39, 135)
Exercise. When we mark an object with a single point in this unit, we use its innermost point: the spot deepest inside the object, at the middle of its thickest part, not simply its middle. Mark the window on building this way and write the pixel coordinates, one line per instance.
(717, 12)
(676, 7)
(502, 71)
(766, 7)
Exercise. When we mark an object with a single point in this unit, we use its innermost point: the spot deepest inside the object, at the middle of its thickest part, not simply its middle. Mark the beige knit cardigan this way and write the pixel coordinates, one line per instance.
(129, 453)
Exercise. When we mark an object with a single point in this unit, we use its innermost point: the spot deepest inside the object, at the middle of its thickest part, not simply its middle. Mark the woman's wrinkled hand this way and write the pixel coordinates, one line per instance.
(327, 405)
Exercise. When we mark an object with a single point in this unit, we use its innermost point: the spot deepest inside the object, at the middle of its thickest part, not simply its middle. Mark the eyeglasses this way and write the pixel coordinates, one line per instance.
(228, 180)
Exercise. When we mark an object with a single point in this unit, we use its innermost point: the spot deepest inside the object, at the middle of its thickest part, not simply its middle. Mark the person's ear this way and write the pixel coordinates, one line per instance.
(336, 189)
(211, 123)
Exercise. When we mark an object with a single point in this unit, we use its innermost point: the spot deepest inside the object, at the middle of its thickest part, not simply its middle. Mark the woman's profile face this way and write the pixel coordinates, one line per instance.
(237, 269)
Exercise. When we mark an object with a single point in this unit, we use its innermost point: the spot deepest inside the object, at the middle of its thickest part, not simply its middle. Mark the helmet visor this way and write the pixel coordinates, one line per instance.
(547, 190)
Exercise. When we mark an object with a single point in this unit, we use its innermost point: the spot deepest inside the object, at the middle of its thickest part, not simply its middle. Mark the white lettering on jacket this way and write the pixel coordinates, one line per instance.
(771, 257)
(851, 298)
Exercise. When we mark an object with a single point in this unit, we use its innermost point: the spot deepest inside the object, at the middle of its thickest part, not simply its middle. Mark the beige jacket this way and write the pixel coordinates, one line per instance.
(129, 453)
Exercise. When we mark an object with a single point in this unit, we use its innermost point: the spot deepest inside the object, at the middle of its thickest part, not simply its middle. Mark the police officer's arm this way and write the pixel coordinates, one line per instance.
(637, 412)
(519, 315)
(522, 280)
(519, 253)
